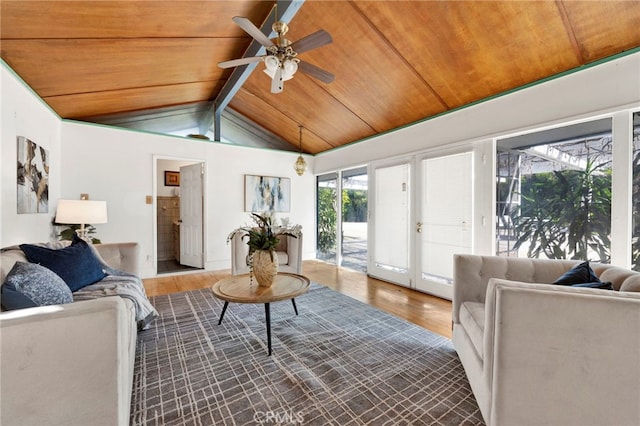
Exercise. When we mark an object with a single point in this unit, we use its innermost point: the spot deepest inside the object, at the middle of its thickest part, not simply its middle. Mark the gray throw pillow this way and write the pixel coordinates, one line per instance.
(29, 284)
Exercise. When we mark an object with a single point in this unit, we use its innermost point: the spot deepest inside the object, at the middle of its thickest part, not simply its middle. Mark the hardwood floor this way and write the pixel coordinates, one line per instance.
(419, 308)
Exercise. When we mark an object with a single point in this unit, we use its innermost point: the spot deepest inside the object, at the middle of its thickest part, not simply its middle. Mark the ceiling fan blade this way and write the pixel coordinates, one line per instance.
(316, 72)
(241, 61)
(312, 41)
(277, 83)
(253, 31)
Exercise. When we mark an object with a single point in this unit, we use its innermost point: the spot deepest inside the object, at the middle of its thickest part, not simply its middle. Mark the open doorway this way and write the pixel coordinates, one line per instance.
(179, 215)
(342, 239)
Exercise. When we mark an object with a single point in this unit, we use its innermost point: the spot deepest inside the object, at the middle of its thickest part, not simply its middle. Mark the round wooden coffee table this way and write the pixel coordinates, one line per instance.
(238, 289)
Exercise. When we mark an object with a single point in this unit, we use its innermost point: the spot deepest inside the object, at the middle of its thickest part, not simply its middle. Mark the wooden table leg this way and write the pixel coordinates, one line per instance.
(224, 309)
(267, 313)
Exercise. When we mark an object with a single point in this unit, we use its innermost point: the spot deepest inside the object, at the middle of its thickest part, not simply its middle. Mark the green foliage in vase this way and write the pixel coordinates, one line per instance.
(263, 235)
(68, 233)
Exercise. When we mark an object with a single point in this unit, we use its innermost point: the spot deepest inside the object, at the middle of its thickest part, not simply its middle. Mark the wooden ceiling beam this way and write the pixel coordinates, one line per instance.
(580, 55)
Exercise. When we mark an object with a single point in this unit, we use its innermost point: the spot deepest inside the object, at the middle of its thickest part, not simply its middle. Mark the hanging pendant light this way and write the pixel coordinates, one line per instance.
(300, 166)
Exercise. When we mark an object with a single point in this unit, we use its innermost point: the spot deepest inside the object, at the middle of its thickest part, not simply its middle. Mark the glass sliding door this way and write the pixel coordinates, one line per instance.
(391, 213)
(354, 218)
(327, 217)
(445, 220)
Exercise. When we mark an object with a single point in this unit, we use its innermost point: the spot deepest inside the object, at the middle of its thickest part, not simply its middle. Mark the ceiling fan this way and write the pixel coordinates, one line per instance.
(281, 59)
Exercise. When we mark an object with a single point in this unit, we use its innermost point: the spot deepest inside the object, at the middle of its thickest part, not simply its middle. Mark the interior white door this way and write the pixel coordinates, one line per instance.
(390, 246)
(191, 222)
(445, 220)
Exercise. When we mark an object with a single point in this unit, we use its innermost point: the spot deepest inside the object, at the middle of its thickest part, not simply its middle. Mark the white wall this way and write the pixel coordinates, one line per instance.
(116, 165)
(22, 113)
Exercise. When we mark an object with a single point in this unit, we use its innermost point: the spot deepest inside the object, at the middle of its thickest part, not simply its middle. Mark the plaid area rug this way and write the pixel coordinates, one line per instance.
(339, 362)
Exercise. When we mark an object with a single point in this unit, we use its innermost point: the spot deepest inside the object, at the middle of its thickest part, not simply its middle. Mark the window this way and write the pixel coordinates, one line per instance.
(554, 193)
(352, 226)
(354, 218)
(635, 237)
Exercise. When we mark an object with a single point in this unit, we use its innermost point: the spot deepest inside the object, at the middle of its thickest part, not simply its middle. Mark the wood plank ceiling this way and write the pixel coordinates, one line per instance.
(395, 62)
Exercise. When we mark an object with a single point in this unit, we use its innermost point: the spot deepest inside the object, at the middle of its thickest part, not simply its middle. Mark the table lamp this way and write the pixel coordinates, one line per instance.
(81, 212)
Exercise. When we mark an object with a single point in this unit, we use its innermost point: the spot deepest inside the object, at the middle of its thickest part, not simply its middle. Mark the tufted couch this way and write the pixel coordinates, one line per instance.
(543, 354)
(69, 364)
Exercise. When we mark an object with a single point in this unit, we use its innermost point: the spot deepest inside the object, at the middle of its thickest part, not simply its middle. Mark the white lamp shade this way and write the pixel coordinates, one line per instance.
(289, 69)
(271, 62)
(81, 212)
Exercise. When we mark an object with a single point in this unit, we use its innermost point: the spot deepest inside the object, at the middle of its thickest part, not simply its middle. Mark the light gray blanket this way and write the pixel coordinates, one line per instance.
(118, 283)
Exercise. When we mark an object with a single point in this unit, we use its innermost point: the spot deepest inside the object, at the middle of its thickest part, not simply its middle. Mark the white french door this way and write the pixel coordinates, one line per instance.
(390, 223)
(191, 223)
(444, 212)
(421, 215)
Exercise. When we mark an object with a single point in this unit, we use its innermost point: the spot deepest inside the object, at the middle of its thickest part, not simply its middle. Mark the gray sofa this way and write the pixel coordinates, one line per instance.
(543, 354)
(70, 364)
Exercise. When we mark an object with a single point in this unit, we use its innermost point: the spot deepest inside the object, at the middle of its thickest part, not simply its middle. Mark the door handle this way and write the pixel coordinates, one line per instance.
(419, 227)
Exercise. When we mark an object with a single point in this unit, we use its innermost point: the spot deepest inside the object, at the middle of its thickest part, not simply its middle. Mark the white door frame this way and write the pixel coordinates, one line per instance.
(154, 203)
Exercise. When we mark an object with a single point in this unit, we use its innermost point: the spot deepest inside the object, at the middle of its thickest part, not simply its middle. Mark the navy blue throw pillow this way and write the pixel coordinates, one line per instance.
(579, 274)
(75, 264)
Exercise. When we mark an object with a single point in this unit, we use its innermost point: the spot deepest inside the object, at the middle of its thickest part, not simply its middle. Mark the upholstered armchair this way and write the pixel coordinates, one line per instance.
(289, 252)
(542, 354)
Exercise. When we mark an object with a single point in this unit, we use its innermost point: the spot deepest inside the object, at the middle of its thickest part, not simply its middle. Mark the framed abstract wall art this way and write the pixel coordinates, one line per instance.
(33, 177)
(267, 193)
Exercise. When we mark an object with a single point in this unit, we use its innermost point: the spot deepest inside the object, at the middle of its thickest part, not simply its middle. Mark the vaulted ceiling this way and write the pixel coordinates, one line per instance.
(395, 62)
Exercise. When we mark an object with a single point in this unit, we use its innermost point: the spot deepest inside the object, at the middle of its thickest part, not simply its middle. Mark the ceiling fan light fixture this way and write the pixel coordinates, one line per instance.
(280, 59)
(300, 165)
(289, 69)
(271, 62)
